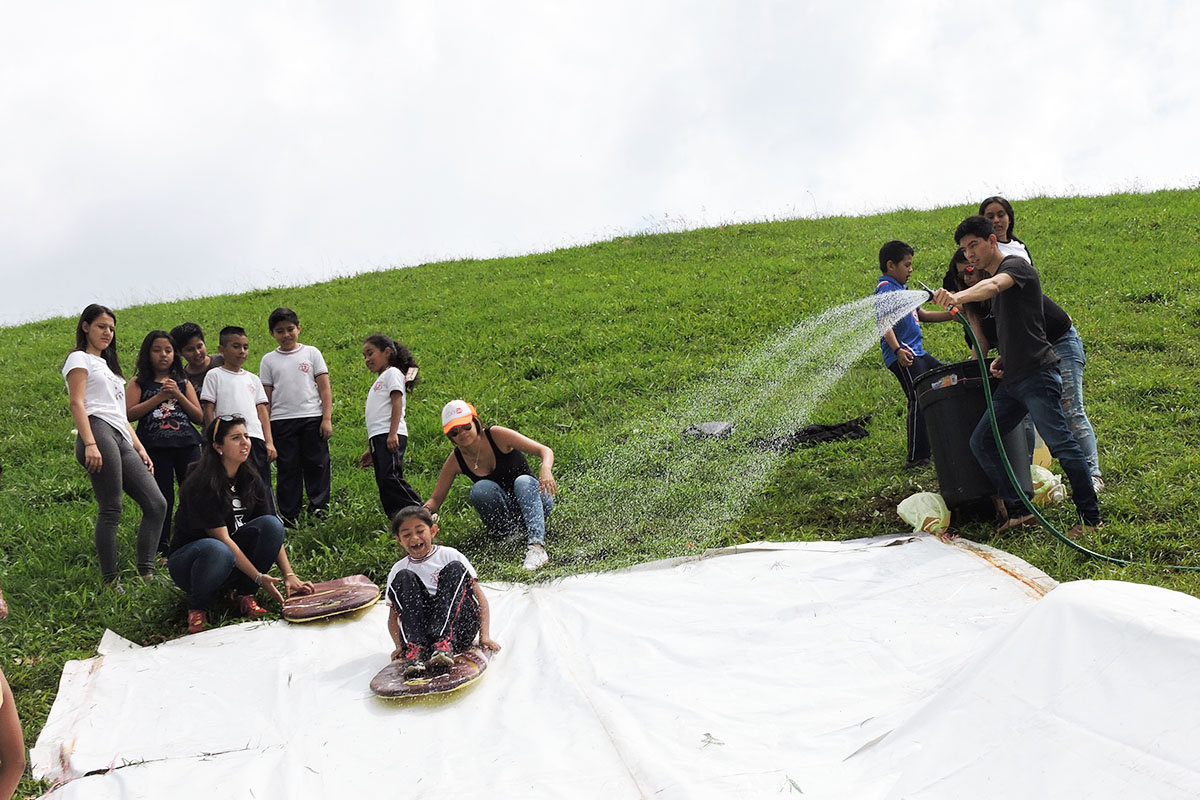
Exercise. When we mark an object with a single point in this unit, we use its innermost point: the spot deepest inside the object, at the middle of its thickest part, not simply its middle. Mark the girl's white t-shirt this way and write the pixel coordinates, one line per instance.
(379, 403)
(1014, 248)
(104, 393)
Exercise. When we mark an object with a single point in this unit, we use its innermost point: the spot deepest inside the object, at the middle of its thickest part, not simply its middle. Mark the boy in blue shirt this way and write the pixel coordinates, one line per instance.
(903, 352)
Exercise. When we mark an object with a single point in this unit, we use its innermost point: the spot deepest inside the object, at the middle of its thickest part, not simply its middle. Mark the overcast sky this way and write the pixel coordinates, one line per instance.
(157, 150)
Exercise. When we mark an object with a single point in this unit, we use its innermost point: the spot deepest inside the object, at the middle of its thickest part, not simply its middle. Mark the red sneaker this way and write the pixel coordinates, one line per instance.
(197, 620)
(411, 663)
(249, 607)
(442, 655)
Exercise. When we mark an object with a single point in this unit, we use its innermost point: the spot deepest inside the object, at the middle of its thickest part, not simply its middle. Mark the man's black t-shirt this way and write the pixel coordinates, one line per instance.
(1021, 323)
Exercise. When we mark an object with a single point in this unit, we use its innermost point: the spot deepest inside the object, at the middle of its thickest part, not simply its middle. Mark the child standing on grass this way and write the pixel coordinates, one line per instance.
(903, 351)
(387, 432)
(296, 380)
(165, 405)
(437, 605)
(189, 341)
(230, 390)
(106, 445)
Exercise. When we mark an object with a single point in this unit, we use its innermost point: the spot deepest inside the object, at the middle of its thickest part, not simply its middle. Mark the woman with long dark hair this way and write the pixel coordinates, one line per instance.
(225, 533)
(105, 444)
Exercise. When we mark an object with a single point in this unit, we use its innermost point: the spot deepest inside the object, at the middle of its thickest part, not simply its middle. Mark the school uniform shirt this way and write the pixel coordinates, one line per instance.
(427, 569)
(199, 512)
(104, 392)
(238, 392)
(907, 330)
(379, 403)
(196, 379)
(292, 374)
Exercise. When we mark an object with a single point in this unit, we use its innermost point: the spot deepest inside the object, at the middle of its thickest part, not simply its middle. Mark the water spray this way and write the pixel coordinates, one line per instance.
(1008, 470)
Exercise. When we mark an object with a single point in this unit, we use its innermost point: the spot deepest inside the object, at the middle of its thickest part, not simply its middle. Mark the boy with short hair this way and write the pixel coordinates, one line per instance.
(437, 605)
(296, 380)
(229, 389)
(903, 350)
(189, 341)
(1027, 367)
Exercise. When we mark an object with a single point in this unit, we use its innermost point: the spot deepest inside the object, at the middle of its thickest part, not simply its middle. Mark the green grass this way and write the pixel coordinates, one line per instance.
(579, 347)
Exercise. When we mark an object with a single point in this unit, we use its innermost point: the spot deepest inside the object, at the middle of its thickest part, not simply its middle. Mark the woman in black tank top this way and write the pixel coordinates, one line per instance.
(510, 499)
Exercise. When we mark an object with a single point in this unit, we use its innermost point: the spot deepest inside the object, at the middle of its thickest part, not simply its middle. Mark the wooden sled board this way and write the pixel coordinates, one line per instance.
(330, 598)
(467, 668)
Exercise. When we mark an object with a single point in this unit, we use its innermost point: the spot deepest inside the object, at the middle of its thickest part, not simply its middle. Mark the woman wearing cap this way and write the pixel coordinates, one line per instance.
(509, 499)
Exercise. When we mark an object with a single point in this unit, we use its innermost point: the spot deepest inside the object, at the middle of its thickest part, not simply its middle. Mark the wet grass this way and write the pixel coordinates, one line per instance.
(579, 348)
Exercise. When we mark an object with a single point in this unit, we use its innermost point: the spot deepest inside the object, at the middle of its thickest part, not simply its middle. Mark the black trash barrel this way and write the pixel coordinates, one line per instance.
(951, 398)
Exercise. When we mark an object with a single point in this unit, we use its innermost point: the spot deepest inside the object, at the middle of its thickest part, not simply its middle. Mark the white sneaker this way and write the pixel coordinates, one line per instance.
(535, 556)
(1097, 484)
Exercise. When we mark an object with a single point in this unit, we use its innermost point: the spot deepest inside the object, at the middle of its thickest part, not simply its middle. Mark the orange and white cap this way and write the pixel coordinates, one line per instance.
(456, 412)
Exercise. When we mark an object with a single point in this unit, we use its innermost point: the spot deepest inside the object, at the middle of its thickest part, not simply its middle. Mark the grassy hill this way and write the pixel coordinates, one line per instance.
(579, 348)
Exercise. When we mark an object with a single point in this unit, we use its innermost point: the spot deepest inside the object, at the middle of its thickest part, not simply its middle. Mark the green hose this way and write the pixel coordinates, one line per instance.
(1012, 477)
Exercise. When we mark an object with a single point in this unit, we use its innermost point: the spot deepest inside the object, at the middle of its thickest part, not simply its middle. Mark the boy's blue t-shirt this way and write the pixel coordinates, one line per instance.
(907, 330)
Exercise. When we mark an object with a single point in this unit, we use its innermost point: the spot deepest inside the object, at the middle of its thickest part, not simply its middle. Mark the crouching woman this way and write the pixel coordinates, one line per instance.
(225, 534)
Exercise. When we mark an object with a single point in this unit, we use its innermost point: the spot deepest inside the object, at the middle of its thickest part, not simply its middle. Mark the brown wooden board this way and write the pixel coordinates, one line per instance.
(467, 668)
(329, 598)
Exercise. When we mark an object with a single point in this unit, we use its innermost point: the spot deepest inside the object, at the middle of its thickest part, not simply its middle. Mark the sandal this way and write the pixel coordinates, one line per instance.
(1016, 522)
(1083, 527)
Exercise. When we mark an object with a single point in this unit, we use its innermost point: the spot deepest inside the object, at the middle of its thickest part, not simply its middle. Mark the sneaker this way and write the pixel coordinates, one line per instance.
(535, 556)
(147, 577)
(411, 665)
(1097, 484)
(197, 620)
(249, 607)
(443, 656)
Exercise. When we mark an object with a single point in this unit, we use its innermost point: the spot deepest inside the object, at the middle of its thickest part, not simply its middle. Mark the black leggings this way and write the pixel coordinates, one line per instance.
(170, 466)
(121, 469)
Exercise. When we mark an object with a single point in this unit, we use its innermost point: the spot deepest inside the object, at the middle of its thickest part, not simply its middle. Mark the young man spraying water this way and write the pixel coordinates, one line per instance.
(1028, 371)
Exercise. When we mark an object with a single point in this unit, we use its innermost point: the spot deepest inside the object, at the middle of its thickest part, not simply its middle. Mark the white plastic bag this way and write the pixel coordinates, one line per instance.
(1048, 488)
(926, 512)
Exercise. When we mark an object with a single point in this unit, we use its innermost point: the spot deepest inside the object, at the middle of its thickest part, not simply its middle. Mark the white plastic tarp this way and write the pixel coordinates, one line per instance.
(885, 668)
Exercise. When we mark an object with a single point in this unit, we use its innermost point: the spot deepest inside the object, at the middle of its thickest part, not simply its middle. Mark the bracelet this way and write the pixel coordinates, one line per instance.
(289, 574)
(90, 444)
(257, 579)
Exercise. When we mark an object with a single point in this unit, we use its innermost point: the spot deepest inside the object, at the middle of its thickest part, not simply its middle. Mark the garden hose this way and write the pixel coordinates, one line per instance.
(1012, 477)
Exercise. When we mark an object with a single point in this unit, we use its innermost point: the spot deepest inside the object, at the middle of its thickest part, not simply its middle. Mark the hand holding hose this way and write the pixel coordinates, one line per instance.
(946, 300)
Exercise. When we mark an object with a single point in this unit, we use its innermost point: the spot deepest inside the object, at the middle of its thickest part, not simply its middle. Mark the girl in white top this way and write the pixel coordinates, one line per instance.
(387, 432)
(1000, 213)
(106, 445)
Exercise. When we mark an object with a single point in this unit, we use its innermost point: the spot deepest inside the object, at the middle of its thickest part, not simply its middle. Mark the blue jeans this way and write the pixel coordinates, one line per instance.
(1069, 348)
(1039, 396)
(523, 511)
(202, 567)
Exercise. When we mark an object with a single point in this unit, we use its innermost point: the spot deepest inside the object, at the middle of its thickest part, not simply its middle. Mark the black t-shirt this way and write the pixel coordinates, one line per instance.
(1058, 322)
(1021, 323)
(199, 512)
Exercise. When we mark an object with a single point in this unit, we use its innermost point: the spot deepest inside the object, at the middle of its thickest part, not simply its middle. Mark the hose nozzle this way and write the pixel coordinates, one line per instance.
(928, 291)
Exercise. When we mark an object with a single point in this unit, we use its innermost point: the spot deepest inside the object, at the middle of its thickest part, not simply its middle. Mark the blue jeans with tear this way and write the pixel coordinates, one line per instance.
(525, 510)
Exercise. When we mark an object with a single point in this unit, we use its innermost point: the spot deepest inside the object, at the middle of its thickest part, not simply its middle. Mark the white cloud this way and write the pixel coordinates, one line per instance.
(166, 150)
